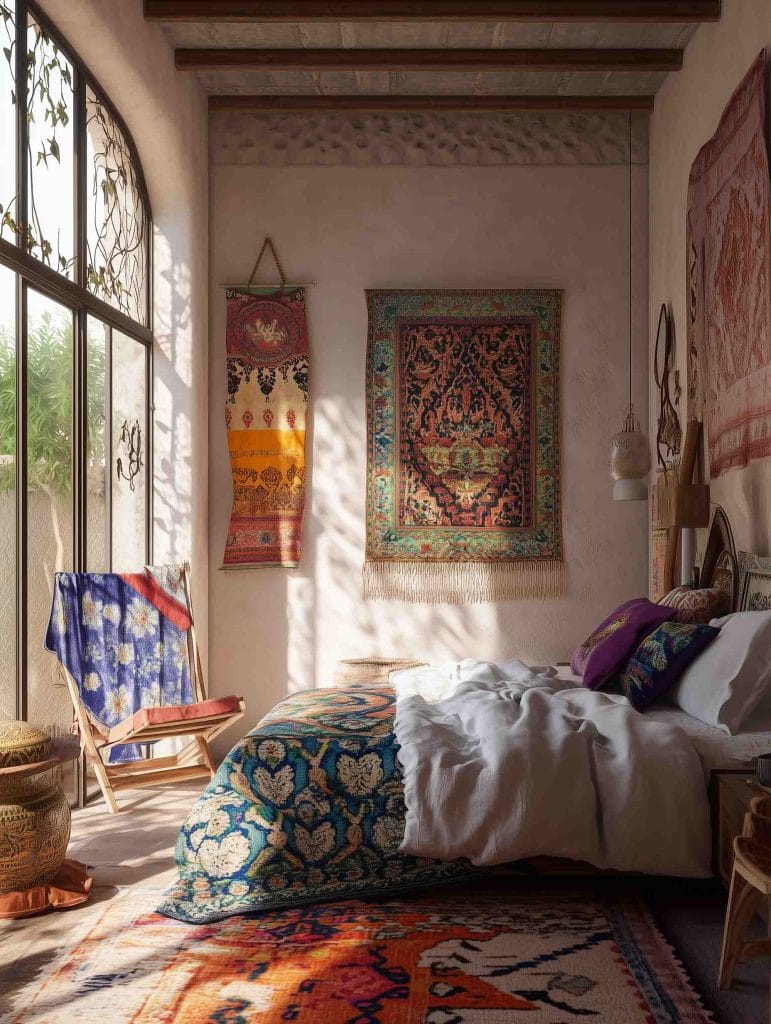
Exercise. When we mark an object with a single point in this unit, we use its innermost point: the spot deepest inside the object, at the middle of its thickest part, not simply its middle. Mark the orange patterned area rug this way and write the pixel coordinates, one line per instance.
(446, 957)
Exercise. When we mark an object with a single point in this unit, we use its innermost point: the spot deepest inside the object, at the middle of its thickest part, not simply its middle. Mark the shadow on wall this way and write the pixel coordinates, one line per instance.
(275, 631)
(335, 542)
(173, 381)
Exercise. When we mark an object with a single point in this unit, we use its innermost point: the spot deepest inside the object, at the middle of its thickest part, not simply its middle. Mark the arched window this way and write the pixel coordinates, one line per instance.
(75, 346)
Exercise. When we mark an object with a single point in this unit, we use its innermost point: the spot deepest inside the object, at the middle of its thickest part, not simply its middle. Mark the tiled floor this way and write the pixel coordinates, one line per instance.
(135, 848)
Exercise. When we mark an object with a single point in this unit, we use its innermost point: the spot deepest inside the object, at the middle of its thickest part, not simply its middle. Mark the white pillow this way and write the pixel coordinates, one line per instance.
(723, 686)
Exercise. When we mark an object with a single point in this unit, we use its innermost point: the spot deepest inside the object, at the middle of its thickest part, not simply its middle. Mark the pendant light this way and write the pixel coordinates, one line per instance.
(630, 454)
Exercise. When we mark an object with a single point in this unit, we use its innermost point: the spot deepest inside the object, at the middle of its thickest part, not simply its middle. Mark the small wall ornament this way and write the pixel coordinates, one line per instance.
(669, 435)
(129, 464)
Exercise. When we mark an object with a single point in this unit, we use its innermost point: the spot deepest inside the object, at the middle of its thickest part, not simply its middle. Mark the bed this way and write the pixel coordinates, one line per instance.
(311, 804)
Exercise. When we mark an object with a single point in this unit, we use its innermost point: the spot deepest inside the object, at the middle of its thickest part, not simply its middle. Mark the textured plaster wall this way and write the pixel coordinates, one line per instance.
(349, 228)
(166, 114)
(686, 114)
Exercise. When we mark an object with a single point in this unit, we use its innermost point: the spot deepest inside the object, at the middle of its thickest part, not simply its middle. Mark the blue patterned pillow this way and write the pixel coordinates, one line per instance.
(661, 658)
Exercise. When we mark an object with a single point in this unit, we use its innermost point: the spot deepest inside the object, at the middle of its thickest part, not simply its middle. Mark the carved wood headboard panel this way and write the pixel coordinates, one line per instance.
(719, 568)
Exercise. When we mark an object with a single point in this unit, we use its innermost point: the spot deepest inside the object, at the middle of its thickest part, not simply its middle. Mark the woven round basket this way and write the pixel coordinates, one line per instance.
(34, 811)
(22, 743)
(361, 671)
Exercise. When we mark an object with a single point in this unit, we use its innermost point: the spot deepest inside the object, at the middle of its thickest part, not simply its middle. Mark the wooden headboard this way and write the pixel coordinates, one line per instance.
(719, 568)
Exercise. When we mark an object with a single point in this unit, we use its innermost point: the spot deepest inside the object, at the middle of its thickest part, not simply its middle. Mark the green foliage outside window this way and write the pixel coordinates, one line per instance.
(49, 406)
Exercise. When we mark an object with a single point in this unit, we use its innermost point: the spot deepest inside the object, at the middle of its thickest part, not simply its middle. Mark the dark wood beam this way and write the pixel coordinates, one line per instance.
(395, 103)
(428, 60)
(433, 10)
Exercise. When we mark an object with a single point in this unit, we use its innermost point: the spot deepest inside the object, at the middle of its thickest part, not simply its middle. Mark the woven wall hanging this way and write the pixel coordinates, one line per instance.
(463, 468)
(267, 361)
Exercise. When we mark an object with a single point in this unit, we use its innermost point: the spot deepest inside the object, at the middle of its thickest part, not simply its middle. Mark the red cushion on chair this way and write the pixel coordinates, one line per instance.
(173, 713)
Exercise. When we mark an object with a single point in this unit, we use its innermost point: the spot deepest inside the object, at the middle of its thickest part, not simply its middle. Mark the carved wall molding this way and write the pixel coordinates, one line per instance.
(426, 139)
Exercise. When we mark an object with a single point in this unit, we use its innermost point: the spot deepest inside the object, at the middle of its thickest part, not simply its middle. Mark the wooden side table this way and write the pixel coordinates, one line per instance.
(730, 798)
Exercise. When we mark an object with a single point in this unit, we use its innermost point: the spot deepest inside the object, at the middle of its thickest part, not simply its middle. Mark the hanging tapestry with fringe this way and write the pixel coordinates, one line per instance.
(267, 352)
(463, 472)
(729, 281)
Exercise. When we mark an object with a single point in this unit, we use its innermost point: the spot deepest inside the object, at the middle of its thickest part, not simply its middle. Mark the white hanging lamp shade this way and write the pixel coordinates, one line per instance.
(630, 461)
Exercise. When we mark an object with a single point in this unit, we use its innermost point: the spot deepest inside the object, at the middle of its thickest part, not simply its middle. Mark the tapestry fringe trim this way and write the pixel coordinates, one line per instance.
(465, 582)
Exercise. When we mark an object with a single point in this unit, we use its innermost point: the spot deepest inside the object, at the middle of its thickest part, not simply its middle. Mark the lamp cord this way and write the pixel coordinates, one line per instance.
(630, 262)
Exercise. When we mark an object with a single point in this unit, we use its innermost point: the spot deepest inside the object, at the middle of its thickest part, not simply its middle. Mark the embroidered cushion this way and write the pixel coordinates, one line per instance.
(661, 658)
(605, 652)
(174, 714)
(697, 605)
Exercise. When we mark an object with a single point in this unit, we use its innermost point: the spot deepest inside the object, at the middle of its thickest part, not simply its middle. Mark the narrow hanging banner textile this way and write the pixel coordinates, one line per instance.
(267, 357)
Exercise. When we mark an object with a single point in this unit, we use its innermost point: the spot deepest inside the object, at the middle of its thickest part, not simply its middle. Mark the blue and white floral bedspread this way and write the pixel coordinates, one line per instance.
(309, 806)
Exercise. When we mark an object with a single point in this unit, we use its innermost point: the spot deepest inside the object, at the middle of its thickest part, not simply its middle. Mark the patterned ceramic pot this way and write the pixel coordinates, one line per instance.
(34, 811)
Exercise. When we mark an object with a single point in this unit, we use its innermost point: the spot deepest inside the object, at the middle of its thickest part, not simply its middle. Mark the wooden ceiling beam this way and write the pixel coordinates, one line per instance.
(433, 10)
(402, 104)
(427, 60)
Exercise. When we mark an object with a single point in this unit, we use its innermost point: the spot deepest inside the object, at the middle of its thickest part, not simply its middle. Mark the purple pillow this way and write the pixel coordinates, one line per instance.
(603, 654)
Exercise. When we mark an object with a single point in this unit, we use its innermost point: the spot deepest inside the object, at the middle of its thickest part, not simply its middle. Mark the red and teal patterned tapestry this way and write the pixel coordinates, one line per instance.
(463, 468)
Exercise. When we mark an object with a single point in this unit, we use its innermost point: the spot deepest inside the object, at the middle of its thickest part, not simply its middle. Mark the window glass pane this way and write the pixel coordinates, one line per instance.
(129, 453)
(7, 120)
(50, 213)
(7, 494)
(117, 224)
(97, 536)
(49, 495)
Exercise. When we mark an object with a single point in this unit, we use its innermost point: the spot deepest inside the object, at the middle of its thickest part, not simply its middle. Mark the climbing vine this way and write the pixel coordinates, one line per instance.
(116, 263)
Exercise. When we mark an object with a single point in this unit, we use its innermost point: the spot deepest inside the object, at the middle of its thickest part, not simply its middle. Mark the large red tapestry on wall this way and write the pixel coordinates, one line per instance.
(729, 282)
(463, 499)
(466, 409)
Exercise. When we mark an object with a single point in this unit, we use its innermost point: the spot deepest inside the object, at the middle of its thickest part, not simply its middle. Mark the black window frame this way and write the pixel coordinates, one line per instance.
(81, 303)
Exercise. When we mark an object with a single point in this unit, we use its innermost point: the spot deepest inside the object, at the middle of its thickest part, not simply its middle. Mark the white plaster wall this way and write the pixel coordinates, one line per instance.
(166, 114)
(687, 110)
(347, 229)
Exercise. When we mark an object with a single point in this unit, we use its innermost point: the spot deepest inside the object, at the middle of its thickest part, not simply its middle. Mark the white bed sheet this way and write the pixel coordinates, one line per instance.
(716, 749)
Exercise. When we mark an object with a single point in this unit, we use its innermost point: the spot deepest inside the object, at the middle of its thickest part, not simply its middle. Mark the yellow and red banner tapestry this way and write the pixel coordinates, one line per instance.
(267, 354)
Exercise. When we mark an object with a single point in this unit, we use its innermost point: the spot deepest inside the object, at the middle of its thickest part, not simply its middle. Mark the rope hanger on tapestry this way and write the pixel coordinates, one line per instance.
(265, 411)
(282, 286)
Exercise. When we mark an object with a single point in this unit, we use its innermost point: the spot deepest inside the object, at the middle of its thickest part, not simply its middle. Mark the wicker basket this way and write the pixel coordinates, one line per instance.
(364, 671)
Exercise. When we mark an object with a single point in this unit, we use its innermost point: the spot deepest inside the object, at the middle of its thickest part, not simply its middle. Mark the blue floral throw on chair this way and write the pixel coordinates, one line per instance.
(126, 647)
(123, 640)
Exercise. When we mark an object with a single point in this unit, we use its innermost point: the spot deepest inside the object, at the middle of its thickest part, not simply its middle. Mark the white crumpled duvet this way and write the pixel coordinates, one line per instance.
(503, 762)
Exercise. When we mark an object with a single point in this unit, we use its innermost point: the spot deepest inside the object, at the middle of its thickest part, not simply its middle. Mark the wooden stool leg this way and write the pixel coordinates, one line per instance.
(743, 900)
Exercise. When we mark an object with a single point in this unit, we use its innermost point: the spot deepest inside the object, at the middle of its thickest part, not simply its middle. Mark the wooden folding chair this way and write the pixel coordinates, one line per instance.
(202, 721)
